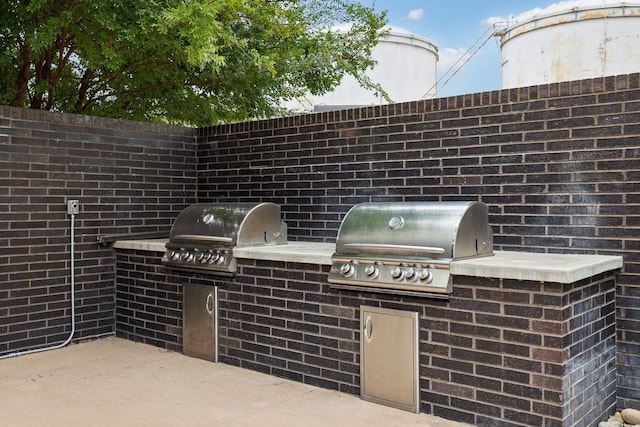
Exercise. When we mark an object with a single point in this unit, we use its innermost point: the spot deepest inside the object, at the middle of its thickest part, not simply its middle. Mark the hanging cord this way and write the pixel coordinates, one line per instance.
(73, 304)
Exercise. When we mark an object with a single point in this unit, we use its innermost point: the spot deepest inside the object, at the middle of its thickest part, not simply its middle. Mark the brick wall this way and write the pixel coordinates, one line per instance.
(128, 177)
(281, 318)
(148, 302)
(499, 352)
(557, 164)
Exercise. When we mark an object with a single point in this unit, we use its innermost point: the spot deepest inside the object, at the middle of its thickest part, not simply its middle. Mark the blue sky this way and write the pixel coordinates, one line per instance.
(454, 26)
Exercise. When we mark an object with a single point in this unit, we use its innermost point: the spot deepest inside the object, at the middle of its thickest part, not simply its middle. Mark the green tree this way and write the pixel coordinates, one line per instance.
(196, 62)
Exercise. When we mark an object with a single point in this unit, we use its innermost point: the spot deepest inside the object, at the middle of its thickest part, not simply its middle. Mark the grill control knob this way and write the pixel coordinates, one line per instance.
(372, 271)
(425, 276)
(410, 274)
(214, 259)
(397, 273)
(220, 259)
(347, 270)
(174, 255)
(189, 257)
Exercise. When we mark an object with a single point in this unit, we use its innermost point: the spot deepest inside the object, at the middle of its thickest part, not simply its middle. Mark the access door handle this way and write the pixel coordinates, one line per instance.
(210, 304)
(368, 328)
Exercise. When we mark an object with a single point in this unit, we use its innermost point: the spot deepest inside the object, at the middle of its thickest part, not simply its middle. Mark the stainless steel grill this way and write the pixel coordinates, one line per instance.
(203, 236)
(407, 248)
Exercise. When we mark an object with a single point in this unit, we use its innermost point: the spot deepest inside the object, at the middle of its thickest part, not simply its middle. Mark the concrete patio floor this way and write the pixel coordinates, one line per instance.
(115, 382)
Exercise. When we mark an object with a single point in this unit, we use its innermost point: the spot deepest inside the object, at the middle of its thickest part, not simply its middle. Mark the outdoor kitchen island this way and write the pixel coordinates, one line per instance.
(523, 339)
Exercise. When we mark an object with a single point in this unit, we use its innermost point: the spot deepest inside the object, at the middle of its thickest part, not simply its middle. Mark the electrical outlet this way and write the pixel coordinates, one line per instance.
(73, 207)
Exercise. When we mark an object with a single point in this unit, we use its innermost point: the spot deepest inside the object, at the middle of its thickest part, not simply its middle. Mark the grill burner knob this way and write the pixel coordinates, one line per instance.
(219, 259)
(372, 271)
(189, 257)
(397, 273)
(174, 255)
(347, 270)
(202, 257)
(425, 276)
(410, 274)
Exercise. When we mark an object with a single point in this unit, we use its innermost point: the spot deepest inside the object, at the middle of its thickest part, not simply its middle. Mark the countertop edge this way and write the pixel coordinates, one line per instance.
(303, 252)
(151, 245)
(544, 267)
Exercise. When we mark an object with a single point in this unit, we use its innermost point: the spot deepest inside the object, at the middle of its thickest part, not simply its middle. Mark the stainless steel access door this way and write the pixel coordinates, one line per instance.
(200, 322)
(389, 357)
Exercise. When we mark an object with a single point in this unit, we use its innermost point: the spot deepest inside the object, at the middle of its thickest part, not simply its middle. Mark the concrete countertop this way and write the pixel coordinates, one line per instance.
(558, 268)
(304, 252)
(151, 245)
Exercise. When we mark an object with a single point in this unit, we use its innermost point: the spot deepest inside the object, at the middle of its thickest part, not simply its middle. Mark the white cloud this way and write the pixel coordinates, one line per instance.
(496, 20)
(447, 57)
(562, 6)
(415, 14)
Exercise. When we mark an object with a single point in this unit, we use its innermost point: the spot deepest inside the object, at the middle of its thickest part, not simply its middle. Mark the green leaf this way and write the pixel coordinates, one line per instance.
(194, 62)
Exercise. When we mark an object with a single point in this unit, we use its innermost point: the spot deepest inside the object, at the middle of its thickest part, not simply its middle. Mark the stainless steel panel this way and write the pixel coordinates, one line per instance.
(416, 230)
(200, 322)
(438, 283)
(389, 357)
(237, 224)
(204, 235)
(262, 226)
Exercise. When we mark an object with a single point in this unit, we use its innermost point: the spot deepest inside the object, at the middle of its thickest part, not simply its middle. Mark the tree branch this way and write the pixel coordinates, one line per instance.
(21, 83)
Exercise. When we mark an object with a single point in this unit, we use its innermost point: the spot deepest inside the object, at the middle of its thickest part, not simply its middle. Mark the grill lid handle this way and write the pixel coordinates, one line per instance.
(202, 238)
(393, 248)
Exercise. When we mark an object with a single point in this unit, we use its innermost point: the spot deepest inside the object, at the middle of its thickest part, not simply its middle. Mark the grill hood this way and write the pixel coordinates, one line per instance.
(240, 224)
(406, 248)
(204, 235)
(449, 230)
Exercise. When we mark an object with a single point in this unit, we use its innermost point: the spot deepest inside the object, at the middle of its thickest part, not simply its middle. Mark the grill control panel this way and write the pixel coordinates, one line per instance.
(214, 261)
(411, 277)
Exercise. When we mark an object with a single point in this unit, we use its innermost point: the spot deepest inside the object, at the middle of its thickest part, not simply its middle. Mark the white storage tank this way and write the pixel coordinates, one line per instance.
(571, 40)
(406, 69)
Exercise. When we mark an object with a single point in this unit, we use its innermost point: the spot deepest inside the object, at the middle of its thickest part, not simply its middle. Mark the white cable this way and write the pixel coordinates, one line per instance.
(73, 304)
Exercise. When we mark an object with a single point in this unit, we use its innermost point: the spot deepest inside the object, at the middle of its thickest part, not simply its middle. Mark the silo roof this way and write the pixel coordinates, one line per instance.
(570, 6)
(568, 11)
(398, 35)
